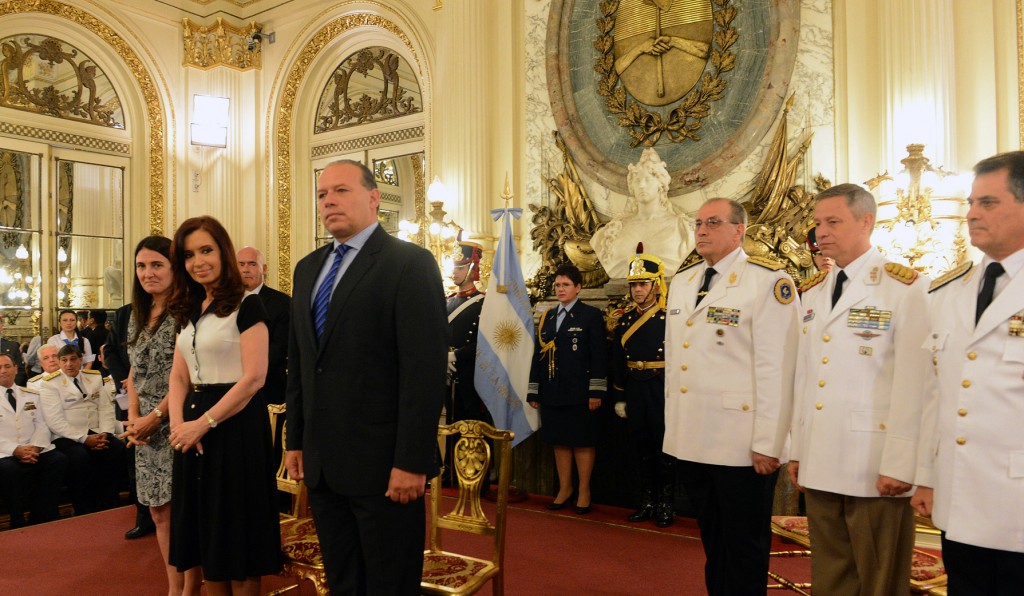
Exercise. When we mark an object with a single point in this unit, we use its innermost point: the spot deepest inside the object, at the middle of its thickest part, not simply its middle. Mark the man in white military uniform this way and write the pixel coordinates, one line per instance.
(26, 455)
(730, 344)
(79, 409)
(47, 356)
(860, 383)
(973, 430)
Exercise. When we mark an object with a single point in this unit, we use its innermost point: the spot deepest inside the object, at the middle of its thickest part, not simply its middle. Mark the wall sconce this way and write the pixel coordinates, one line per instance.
(432, 232)
(209, 121)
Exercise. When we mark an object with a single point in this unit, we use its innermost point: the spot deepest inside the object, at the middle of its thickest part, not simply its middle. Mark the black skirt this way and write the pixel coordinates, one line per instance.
(224, 503)
(570, 426)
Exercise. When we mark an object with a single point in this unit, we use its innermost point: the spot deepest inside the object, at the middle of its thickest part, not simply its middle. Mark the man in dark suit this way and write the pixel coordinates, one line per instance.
(13, 349)
(277, 303)
(366, 377)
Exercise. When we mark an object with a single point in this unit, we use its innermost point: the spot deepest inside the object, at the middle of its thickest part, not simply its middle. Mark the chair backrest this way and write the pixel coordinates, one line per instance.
(471, 459)
(285, 483)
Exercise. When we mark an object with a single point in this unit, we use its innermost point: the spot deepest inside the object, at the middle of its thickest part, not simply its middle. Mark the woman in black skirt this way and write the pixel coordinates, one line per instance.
(568, 383)
(223, 505)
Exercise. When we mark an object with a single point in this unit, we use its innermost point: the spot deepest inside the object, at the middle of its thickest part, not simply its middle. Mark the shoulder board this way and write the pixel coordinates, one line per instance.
(692, 260)
(52, 375)
(30, 390)
(950, 275)
(91, 372)
(901, 273)
(36, 378)
(813, 280)
(766, 262)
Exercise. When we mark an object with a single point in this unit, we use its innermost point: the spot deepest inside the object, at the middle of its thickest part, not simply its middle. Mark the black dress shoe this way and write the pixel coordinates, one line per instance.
(139, 532)
(664, 516)
(644, 513)
(553, 506)
(583, 510)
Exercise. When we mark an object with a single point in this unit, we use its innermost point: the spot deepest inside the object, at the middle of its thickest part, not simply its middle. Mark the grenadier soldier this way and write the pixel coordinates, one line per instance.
(464, 307)
(78, 406)
(638, 384)
(26, 454)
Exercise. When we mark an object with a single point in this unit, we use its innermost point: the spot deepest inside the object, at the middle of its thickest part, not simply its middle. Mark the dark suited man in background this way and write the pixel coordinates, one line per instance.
(366, 378)
(277, 303)
(13, 349)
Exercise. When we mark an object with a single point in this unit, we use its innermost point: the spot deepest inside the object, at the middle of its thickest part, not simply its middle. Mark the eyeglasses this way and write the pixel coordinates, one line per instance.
(712, 223)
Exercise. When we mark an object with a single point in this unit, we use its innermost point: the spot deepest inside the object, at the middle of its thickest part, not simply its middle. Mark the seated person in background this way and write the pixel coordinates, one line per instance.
(32, 356)
(27, 457)
(47, 356)
(79, 410)
(96, 332)
(69, 336)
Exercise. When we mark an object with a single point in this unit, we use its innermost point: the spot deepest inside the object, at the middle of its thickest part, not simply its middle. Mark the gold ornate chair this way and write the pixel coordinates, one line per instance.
(299, 541)
(927, 572)
(452, 573)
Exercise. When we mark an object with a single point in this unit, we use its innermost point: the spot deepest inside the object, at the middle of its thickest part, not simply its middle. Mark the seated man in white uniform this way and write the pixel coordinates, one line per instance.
(48, 361)
(79, 410)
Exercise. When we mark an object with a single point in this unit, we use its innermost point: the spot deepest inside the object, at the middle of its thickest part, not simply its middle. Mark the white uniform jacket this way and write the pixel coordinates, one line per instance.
(729, 364)
(973, 432)
(860, 379)
(24, 425)
(71, 414)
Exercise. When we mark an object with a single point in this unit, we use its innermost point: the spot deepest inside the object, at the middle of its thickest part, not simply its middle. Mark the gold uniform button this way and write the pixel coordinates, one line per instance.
(962, 412)
(686, 344)
(972, 355)
(826, 337)
(684, 367)
(746, 407)
(935, 360)
(682, 390)
(881, 426)
(805, 329)
(824, 360)
(689, 323)
(821, 383)
(966, 383)
(818, 406)
(961, 441)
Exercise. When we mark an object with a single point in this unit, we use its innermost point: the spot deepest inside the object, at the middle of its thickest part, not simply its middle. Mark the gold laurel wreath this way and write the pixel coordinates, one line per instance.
(685, 120)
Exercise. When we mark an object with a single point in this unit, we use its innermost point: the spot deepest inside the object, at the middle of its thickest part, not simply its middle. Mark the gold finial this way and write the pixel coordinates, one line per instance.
(507, 193)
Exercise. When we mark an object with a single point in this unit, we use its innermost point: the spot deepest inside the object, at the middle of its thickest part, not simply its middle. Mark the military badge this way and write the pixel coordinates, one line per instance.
(809, 316)
(724, 316)
(732, 278)
(1017, 325)
(29, 405)
(784, 291)
(864, 351)
(869, 318)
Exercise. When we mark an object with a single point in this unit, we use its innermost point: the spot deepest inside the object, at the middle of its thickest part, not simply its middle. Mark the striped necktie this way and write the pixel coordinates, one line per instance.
(323, 293)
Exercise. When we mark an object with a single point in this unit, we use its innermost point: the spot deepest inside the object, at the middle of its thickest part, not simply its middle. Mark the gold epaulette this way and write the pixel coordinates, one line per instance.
(36, 378)
(52, 375)
(766, 262)
(950, 275)
(91, 372)
(901, 273)
(30, 390)
(692, 260)
(813, 280)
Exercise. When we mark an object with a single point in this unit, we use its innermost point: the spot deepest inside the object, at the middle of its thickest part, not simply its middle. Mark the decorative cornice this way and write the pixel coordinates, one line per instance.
(385, 138)
(221, 44)
(297, 71)
(56, 136)
(154, 111)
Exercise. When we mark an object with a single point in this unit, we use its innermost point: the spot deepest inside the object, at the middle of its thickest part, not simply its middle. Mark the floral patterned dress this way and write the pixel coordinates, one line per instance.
(151, 357)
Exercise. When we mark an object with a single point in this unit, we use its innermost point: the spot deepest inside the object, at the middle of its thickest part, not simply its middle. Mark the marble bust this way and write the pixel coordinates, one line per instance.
(648, 218)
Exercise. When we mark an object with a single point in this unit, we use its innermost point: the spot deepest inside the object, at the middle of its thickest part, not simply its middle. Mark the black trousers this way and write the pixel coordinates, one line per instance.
(94, 475)
(979, 571)
(33, 486)
(370, 544)
(734, 510)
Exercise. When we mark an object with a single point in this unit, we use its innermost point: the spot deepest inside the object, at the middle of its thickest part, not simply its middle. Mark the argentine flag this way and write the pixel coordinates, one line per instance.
(504, 350)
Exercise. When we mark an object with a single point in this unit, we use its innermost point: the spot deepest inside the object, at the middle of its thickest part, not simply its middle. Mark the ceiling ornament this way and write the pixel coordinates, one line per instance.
(222, 44)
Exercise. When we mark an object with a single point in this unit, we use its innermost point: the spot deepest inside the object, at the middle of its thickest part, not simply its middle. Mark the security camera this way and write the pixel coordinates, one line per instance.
(254, 40)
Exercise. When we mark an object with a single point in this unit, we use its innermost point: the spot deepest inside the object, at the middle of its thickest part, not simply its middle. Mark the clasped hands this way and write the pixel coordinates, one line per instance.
(403, 487)
(186, 435)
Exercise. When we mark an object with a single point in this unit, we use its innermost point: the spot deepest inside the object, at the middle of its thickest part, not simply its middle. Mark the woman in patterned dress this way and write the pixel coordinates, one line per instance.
(151, 353)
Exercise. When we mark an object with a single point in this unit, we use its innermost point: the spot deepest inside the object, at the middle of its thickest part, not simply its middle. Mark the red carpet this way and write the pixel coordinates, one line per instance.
(547, 553)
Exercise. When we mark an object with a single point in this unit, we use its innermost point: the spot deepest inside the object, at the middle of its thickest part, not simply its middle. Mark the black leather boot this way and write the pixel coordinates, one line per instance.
(664, 514)
(647, 477)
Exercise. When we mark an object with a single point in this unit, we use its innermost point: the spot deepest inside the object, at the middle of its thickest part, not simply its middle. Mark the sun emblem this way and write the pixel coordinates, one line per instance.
(507, 335)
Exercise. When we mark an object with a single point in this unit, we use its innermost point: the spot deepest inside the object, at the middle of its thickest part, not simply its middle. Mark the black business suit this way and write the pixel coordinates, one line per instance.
(278, 305)
(367, 399)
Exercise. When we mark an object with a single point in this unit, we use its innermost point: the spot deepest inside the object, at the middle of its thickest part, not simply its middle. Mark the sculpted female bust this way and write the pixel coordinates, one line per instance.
(648, 218)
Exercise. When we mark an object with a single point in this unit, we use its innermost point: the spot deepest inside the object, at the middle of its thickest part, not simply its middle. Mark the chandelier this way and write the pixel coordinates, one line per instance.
(921, 215)
(432, 232)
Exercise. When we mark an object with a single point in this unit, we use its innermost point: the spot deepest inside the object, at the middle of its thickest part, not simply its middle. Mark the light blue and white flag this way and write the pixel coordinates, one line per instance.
(504, 350)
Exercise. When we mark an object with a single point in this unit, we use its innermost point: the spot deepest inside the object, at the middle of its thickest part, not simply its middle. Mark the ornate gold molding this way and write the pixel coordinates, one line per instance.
(1020, 69)
(286, 109)
(384, 138)
(221, 44)
(154, 111)
(58, 136)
